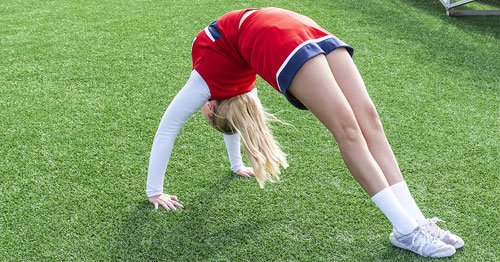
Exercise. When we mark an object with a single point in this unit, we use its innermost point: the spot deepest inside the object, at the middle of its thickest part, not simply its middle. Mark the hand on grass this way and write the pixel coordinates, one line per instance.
(246, 172)
(167, 201)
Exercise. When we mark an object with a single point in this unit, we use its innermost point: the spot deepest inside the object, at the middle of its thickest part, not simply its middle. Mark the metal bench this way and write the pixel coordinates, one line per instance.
(450, 11)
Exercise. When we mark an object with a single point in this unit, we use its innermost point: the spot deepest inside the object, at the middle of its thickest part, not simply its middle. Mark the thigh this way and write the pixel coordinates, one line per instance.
(350, 82)
(315, 86)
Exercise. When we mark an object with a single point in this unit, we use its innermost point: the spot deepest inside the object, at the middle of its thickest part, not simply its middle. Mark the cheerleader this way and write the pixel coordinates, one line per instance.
(313, 69)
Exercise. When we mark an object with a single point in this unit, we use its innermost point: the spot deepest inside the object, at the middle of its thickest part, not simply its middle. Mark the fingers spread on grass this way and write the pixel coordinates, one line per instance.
(246, 172)
(171, 206)
(166, 201)
(243, 175)
(177, 204)
(164, 205)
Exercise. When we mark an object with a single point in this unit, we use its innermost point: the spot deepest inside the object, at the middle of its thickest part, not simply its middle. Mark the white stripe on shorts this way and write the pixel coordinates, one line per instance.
(295, 51)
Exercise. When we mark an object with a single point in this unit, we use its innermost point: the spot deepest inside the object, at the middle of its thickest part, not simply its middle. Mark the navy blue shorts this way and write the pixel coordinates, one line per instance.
(299, 56)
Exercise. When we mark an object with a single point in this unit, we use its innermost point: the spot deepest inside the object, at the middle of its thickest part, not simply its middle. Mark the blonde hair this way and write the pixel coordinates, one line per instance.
(243, 114)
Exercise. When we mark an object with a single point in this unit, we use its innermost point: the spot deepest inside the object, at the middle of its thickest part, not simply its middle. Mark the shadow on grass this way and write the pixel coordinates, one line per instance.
(200, 232)
(451, 44)
(481, 24)
(495, 3)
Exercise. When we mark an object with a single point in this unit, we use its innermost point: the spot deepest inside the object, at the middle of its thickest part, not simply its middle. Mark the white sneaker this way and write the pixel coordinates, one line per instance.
(445, 236)
(422, 243)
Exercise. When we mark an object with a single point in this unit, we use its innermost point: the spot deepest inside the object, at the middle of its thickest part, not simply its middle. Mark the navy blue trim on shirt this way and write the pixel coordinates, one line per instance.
(214, 30)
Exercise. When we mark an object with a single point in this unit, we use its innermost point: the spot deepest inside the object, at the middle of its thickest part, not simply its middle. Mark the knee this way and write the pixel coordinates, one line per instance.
(348, 128)
(370, 118)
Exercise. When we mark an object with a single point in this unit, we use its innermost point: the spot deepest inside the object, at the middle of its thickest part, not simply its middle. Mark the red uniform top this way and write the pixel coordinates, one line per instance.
(217, 59)
(229, 58)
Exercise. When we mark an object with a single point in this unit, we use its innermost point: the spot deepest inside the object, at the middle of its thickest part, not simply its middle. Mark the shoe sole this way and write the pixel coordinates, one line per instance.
(435, 255)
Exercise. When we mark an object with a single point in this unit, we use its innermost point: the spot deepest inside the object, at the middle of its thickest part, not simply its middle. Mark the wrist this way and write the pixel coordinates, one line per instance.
(236, 168)
(154, 193)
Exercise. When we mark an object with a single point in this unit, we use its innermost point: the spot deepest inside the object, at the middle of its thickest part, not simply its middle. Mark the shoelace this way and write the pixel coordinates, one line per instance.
(425, 234)
(432, 227)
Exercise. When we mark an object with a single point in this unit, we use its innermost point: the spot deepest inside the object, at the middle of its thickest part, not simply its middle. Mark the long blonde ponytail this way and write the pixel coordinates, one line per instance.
(243, 114)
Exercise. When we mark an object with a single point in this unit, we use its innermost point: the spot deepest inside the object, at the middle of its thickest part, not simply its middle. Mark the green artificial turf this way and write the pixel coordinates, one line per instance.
(84, 84)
